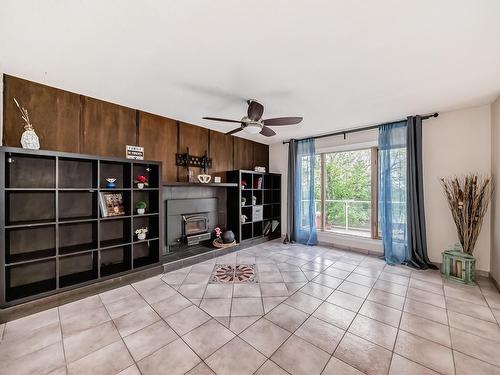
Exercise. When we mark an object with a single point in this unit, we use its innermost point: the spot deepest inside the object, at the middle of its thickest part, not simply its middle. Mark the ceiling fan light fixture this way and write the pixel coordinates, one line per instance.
(252, 128)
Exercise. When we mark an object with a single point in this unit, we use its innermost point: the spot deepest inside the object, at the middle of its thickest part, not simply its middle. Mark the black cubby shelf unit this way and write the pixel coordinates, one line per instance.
(257, 198)
(53, 236)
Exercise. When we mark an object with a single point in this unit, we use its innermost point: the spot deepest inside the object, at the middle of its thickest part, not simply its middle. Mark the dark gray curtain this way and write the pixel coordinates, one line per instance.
(417, 238)
(290, 225)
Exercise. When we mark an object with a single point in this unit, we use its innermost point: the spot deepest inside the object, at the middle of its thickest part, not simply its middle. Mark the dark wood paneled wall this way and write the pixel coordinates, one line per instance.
(69, 122)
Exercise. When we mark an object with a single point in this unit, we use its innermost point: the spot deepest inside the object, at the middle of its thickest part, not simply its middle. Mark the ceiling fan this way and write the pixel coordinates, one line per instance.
(253, 123)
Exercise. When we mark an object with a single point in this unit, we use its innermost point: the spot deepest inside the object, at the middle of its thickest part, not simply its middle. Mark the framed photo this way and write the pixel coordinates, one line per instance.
(111, 204)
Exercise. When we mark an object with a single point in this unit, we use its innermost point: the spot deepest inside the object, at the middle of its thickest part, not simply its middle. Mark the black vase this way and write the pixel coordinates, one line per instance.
(228, 236)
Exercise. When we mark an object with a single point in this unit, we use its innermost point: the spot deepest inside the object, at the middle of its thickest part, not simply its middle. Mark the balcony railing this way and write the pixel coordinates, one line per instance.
(350, 216)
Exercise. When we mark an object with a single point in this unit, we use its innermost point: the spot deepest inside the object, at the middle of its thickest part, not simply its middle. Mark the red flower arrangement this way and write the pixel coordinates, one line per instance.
(141, 180)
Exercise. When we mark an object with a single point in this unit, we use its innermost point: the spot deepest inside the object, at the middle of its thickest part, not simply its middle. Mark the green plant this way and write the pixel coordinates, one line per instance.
(140, 205)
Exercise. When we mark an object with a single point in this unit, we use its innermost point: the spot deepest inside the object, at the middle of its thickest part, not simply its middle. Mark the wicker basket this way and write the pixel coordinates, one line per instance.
(221, 245)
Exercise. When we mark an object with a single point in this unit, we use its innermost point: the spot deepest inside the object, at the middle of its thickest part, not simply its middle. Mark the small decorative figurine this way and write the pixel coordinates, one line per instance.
(29, 139)
(141, 207)
(141, 182)
(254, 200)
(243, 201)
(141, 233)
(244, 218)
(110, 183)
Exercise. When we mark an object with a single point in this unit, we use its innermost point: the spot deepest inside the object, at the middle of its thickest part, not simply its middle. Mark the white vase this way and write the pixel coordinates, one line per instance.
(141, 236)
(30, 140)
(140, 185)
(141, 211)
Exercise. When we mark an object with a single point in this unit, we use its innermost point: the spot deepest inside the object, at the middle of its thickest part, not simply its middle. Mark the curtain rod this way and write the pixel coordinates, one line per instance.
(360, 129)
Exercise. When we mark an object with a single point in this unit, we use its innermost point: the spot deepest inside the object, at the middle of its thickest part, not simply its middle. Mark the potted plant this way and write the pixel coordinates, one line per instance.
(243, 184)
(141, 207)
(141, 233)
(141, 182)
(468, 198)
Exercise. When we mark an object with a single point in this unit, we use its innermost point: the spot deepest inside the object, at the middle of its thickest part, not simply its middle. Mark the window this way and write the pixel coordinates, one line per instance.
(345, 192)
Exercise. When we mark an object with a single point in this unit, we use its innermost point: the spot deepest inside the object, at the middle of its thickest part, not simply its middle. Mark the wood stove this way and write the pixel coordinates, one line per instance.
(195, 228)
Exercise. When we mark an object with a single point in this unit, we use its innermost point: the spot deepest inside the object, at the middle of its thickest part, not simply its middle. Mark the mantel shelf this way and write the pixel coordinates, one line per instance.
(196, 184)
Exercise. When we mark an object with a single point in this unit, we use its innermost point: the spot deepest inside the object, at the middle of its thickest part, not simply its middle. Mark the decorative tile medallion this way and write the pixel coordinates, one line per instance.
(230, 273)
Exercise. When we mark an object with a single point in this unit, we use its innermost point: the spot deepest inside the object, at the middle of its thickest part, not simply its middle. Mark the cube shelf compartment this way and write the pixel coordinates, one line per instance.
(116, 260)
(77, 269)
(267, 195)
(24, 280)
(24, 244)
(146, 252)
(54, 235)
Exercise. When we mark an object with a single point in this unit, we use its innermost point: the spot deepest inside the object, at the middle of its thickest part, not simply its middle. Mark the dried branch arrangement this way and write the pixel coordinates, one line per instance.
(468, 198)
(25, 116)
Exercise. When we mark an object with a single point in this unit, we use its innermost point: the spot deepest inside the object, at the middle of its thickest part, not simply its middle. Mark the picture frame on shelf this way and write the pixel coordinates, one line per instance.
(111, 204)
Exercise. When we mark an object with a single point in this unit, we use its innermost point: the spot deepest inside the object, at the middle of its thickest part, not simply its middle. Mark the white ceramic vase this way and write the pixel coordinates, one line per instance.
(141, 236)
(141, 211)
(140, 185)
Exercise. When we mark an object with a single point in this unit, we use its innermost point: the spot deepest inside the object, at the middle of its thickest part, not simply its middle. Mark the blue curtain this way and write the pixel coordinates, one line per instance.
(304, 206)
(393, 191)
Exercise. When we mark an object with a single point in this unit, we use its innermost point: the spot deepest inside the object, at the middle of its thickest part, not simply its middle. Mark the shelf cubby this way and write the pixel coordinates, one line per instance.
(151, 171)
(268, 211)
(257, 229)
(126, 197)
(77, 237)
(29, 243)
(121, 171)
(115, 232)
(148, 196)
(29, 279)
(246, 231)
(77, 205)
(150, 221)
(276, 210)
(268, 181)
(28, 171)
(78, 268)
(29, 207)
(115, 260)
(76, 173)
(276, 181)
(255, 183)
(257, 194)
(268, 196)
(146, 252)
(247, 211)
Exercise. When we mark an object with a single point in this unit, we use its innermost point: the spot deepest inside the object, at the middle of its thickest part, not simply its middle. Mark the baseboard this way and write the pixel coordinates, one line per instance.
(350, 248)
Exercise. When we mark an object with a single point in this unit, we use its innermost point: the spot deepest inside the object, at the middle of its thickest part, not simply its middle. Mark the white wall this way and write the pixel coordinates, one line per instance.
(495, 204)
(454, 143)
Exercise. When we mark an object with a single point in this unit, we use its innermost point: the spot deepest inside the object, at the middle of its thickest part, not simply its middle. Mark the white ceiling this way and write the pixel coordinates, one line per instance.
(339, 64)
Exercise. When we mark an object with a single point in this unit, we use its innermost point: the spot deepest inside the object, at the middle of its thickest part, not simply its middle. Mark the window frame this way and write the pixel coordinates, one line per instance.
(374, 233)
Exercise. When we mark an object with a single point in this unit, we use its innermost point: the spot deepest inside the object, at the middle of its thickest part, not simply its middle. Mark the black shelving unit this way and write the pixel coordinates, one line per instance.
(52, 234)
(259, 200)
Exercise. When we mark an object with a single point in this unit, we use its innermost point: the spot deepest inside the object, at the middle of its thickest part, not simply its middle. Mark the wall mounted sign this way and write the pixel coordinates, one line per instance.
(135, 152)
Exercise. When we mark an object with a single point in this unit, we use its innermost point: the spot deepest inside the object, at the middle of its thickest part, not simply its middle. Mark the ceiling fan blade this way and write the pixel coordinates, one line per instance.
(234, 131)
(255, 110)
(221, 119)
(268, 132)
(279, 121)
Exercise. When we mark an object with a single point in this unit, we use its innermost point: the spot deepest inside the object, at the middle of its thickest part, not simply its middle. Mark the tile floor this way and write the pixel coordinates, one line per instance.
(313, 310)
